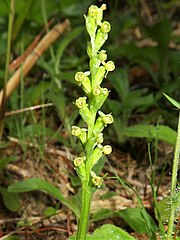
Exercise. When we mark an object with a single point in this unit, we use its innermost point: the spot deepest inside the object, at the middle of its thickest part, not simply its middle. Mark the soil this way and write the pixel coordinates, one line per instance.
(54, 165)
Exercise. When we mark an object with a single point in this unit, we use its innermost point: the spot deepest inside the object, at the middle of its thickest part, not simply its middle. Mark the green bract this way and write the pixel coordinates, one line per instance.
(89, 105)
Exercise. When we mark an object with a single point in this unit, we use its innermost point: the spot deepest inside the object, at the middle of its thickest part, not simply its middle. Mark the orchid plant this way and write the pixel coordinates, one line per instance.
(89, 106)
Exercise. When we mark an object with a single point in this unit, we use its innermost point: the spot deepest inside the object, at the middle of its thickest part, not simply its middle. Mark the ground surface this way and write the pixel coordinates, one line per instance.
(30, 222)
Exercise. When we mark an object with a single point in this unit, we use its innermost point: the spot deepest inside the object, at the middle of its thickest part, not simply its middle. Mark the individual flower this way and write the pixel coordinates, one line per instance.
(100, 14)
(76, 131)
(106, 118)
(102, 56)
(105, 27)
(81, 102)
(79, 161)
(81, 133)
(109, 66)
(107, 149)
(79, 77)
(97, 181)
(93, 11)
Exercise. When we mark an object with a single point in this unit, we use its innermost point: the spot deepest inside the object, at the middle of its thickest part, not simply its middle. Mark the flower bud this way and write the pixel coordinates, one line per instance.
(106, 27)
(100, 39)
(97, 90)
(97, 181)
(102, 56)
(107, 149)
(100, 97)
(93, 11)
(99, 75)
(79, 161)
(81, 102)
(99, 138)
(96, 155)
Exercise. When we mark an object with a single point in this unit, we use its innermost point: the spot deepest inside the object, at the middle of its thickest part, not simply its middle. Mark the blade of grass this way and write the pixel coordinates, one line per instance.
(3, 103)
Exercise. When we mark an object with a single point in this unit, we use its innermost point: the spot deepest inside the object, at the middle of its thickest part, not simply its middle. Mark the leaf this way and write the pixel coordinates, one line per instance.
(10, 200)
(12, 238)
(5, 161)
(102, 214)
(161, 132)
(174, 102)
(50, 211)
(107, 232)
(38, 130)
(42, 185)
(135, 219)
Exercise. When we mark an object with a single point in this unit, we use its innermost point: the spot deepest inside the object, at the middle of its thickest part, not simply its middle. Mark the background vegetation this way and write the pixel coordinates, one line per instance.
(144, 43)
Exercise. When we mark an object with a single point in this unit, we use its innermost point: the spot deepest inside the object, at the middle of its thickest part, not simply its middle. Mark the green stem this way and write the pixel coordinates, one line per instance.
(85, 210)
(173, 182)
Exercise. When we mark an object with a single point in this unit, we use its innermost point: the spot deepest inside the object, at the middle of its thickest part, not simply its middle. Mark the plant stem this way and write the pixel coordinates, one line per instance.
(3, 104)
(173, 182)
(85, 210)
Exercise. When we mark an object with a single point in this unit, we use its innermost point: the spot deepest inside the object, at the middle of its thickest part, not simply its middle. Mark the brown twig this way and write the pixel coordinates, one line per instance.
(17, 62)
(32, 108)
(31, 59)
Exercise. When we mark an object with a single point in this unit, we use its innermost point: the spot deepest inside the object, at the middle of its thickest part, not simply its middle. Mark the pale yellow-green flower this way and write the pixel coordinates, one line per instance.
(81, 102)
(107, 149)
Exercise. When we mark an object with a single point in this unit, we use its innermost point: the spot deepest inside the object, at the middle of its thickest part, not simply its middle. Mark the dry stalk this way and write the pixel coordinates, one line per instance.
(31, 59)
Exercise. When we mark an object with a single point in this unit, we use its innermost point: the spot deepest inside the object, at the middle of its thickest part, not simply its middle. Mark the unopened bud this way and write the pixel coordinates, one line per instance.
(99, 138)
(93, 11)
(102, 56)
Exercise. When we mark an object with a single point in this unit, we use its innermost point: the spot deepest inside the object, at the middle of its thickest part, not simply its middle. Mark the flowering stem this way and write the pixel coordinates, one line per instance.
(173, 183)
(85, 210)
(91, 137)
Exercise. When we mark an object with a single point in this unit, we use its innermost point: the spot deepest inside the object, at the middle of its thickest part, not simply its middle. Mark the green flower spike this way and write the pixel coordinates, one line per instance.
(89, 106)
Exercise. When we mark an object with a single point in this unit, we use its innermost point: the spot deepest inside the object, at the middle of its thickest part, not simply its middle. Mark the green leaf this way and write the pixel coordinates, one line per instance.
(107, 232)
(5, 161)
(135, 219)
(12, 238)
(42, 185)
(50, 211)
(102, 214)
(10, 200)
(174, 102)
(161, 132)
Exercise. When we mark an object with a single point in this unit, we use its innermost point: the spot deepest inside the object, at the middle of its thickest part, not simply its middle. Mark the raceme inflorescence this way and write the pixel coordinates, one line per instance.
(91, 135)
